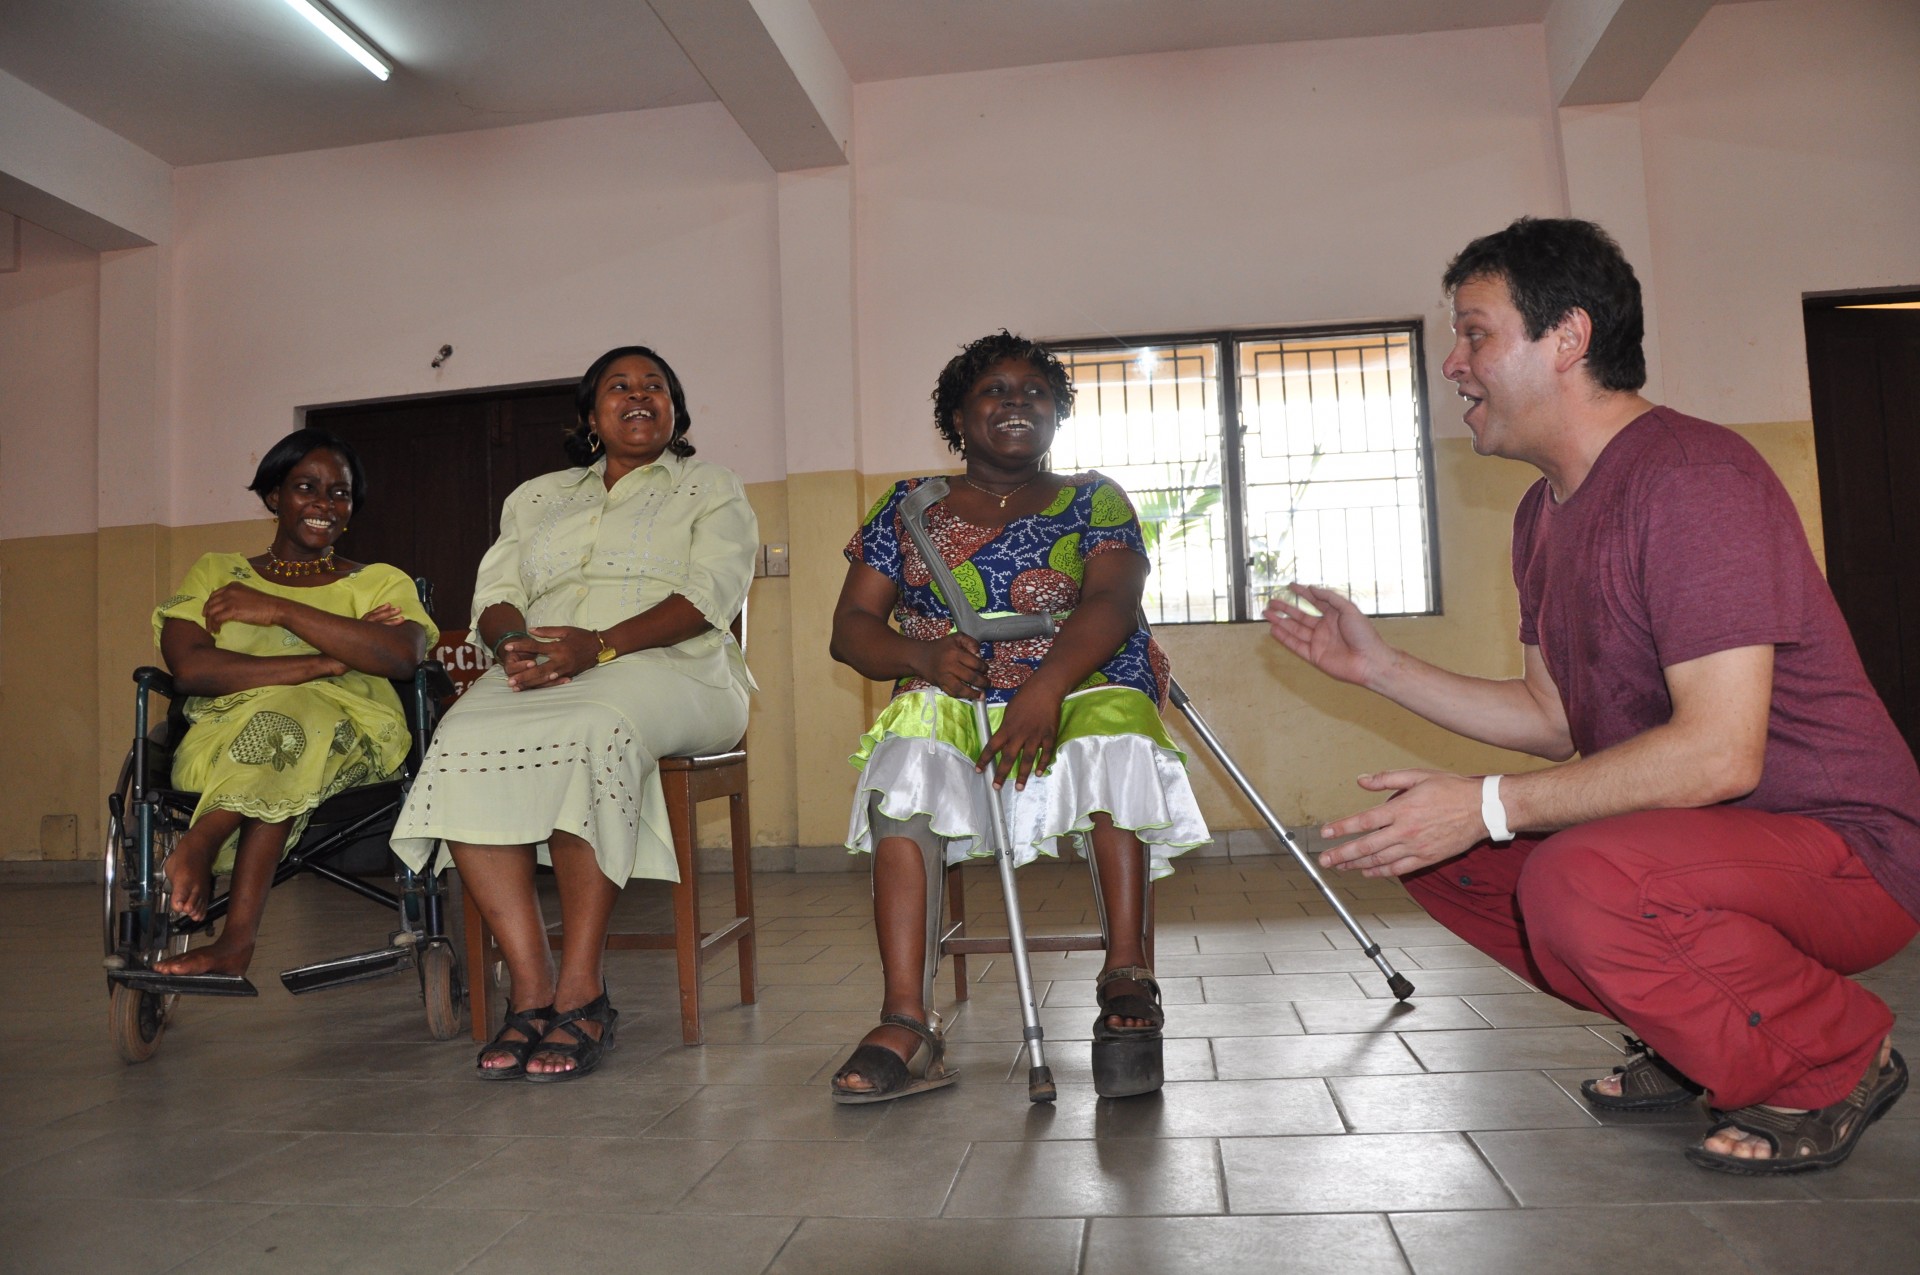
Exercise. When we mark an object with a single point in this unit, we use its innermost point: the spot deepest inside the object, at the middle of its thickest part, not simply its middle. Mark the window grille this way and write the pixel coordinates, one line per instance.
(1255, 459)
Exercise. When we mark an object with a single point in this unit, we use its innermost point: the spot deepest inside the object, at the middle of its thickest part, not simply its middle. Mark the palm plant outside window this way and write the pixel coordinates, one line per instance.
(1259, 458)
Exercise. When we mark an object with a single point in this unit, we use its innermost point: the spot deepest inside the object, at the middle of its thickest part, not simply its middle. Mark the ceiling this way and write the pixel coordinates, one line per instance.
(895, 39)
(197, 81)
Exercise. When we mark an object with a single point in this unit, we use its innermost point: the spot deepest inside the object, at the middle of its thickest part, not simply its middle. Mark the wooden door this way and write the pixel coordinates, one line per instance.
(1864, 370)
(438, 471)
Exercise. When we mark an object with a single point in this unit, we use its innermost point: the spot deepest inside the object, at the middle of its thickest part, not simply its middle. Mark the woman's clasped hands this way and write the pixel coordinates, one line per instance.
(548, 655)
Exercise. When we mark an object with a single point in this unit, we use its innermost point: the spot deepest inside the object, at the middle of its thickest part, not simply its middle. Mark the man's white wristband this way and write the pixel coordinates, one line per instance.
(1492, 812)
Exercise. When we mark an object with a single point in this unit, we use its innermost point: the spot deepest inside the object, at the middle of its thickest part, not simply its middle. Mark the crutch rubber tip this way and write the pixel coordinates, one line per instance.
(1040, 1085)
(1400, 987)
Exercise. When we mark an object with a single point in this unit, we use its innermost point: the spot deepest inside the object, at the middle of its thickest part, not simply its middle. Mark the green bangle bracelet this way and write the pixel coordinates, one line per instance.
(502, 640)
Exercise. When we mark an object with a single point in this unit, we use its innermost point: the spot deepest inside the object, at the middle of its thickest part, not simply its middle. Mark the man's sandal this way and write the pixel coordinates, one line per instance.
(1806, 1140)
(585, 1051)
(890, 1078)
(1128, 1060)
(530, 1023)
(1648, 1082)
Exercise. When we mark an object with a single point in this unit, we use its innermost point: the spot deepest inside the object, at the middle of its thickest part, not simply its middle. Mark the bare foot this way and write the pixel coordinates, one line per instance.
(1746, 1146)
(898, 1041)
(218, 957)
(189, 871)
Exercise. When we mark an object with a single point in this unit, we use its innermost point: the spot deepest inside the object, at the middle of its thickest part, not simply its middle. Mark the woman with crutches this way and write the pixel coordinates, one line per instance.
(1077, 745)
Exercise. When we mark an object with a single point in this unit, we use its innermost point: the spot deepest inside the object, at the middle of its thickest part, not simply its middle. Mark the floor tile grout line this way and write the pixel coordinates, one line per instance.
(498, 1240)
(953, 1184)
(792, 1231)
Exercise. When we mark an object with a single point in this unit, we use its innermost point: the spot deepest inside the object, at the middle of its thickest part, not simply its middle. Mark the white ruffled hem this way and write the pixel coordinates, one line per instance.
(1143, 786)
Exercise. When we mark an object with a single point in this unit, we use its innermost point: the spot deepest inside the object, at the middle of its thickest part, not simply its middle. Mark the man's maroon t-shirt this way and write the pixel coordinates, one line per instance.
(1680, 543)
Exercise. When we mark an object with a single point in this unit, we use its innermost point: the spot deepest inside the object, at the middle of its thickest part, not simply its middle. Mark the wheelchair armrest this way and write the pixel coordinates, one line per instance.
(432, 676)
(148, 678)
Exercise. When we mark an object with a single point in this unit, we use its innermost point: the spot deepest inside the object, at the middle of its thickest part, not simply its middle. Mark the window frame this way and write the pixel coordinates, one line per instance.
(1226, 343)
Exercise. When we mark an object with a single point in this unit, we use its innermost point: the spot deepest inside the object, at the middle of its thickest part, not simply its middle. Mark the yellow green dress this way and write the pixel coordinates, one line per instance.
(275, 753)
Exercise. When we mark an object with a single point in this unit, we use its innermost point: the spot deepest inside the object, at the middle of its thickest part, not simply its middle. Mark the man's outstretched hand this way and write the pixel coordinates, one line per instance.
(1429, 816)
(1335, 636)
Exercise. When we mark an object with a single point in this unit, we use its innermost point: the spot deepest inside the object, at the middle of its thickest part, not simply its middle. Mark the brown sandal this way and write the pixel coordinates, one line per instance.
(890, 1077)
(1648, 1082)
(1806, 1140)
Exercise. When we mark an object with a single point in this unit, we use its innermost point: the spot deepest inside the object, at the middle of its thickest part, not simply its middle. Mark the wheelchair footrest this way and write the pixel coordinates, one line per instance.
(347, 969)
(184, 984)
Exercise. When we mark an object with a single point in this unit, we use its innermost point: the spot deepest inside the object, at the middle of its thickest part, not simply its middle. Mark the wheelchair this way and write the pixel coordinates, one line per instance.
(145, 817)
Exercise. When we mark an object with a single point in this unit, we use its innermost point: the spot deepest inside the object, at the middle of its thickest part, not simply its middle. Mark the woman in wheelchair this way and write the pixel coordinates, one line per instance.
(606, 602)
(286, 658)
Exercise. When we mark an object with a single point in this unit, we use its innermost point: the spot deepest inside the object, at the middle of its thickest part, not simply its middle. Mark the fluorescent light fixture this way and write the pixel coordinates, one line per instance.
(331, 26)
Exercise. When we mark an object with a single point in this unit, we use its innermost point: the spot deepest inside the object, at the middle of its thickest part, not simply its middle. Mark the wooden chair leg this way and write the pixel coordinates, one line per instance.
(686, 907)
(741, 830)
(957, 915)
(479, 969)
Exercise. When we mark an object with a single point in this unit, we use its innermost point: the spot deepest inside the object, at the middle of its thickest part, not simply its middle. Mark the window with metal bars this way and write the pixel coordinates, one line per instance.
(1260, 458)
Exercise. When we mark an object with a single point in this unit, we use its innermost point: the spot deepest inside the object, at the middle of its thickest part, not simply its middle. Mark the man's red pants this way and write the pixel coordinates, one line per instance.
(1721, 937)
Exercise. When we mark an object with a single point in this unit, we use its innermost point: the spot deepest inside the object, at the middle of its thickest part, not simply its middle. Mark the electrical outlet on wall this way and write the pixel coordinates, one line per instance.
(773, 560)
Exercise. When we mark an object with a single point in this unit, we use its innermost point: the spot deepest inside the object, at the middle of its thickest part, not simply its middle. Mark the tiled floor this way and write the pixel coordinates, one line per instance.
(1309, 1123)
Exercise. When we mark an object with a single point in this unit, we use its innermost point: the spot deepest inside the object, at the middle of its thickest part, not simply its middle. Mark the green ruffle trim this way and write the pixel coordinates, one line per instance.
(1103, 710)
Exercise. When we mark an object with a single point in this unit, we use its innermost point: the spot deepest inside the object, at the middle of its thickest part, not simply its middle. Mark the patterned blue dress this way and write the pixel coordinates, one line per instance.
(1114, 754)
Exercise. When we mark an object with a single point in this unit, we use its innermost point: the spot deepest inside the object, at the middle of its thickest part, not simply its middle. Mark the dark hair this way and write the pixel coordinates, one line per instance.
(1552, 265)
(974, 361)
(296, 447)
(582, 446)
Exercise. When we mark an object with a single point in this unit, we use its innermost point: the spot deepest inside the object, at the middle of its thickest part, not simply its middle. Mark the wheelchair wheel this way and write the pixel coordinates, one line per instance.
(135, 936)
(111, 858)
(136, 1020)
(440, 990)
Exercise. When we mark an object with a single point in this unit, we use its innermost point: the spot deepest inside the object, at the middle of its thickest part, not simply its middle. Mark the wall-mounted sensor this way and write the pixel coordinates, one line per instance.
(446, 352)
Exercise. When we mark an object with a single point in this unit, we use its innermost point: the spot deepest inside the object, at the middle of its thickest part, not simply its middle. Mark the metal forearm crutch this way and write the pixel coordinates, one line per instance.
(1397, 982)
(1009, 628)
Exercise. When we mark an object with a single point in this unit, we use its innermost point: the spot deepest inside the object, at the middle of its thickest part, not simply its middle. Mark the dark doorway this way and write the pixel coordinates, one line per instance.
(438, 470)
(1863, 364)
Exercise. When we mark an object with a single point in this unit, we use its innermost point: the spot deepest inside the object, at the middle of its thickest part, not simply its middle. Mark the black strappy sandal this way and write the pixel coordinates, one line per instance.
(890, 1077)
(1128, 1061)
(585, 1051)
(527, 1023)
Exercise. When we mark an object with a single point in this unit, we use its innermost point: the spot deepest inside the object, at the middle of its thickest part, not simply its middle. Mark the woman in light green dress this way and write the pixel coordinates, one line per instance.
(606, 601)
(286, 658)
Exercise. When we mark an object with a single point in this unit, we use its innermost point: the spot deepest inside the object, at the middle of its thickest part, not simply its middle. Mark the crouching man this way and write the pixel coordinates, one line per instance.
(1740, 828)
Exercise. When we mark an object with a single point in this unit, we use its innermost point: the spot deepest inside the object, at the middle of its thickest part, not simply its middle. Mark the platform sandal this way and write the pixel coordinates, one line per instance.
(585, 1051)
(889, 1077)
(1806, 1140)
(1128, 1061)
(524, 1021)
(1648, 1082)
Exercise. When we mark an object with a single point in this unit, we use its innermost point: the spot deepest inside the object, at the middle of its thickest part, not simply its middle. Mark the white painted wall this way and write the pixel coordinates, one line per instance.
(1282, 184)
(335, 275)
(1782, 157)
(49, 362)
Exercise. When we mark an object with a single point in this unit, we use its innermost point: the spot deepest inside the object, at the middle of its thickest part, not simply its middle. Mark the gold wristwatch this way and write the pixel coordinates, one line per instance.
(606, 649)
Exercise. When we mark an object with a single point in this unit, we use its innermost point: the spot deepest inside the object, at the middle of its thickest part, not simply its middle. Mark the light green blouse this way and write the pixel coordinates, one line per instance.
(572, 552)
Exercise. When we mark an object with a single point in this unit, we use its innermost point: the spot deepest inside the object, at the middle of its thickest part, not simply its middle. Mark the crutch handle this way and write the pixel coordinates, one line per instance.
(1000, 628)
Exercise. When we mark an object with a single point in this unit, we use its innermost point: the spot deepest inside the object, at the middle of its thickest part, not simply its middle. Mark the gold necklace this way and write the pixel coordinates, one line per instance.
(996, 495)
(281, 567)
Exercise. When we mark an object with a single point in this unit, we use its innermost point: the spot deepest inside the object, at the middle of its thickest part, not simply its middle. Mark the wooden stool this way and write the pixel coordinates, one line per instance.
(955, 941)
(687, 781)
